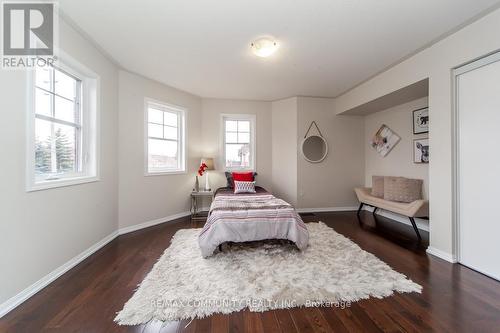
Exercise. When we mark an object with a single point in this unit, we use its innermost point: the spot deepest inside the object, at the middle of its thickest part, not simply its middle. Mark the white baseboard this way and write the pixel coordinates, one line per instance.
(16, 300)
(28, 292)
(441, 254)
(326, 209)
(135, 227)
(421, 223)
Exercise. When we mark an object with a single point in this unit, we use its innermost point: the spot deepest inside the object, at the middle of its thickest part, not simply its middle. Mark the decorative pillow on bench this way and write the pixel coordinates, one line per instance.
(378, 186)
(402, 189)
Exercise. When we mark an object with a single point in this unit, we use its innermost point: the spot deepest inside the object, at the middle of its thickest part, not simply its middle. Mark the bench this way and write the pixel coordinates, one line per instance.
(417, 208)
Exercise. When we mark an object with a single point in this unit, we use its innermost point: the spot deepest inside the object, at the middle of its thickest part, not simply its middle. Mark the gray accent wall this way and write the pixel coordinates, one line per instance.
(330, 183)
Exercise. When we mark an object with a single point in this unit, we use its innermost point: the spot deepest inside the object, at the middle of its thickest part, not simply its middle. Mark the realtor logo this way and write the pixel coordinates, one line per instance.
(29, 34)
(28, 29)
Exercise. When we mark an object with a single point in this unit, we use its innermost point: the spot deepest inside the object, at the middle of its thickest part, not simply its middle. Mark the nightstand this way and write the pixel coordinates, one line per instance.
(195, 197)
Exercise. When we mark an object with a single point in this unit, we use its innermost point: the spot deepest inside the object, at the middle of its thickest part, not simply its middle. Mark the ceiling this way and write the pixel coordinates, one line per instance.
(326, 46)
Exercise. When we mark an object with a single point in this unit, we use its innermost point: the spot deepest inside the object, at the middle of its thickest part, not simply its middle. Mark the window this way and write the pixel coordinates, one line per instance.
(62, 131)
(165, 146)
(238, 142)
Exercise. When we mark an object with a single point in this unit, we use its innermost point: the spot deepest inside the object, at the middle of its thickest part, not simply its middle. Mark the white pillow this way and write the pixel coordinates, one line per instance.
(244, 187)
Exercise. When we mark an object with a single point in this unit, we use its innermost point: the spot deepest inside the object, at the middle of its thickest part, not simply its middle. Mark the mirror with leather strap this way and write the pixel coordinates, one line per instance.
(314, 148)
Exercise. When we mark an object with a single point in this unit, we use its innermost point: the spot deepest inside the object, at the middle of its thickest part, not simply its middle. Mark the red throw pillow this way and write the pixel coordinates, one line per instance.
(243, 177)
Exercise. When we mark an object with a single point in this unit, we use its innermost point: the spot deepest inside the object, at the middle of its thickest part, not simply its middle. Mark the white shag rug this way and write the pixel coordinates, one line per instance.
(333, 269)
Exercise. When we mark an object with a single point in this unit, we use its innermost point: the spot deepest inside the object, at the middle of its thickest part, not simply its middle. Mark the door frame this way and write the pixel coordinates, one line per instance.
(456, 72)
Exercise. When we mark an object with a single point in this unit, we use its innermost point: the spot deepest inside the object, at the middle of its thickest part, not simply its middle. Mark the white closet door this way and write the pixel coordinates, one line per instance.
(478, 110)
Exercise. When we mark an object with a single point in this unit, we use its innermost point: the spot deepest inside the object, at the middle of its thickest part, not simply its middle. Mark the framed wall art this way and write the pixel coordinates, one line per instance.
(421, 121)
(421, 150)
(384, 140)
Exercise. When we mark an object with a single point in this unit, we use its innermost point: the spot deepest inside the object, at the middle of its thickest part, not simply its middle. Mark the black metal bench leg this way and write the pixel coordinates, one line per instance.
(412, 220)
(360, 207)
(374, 210)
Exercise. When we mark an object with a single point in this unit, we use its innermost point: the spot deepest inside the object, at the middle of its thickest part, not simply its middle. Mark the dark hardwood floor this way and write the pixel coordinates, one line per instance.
(454, 298)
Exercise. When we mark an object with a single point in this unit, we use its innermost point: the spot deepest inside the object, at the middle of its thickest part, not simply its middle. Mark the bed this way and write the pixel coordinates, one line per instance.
(249, 217)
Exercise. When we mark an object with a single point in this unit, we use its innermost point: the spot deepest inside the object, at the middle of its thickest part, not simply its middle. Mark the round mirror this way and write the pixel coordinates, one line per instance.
(314, 148)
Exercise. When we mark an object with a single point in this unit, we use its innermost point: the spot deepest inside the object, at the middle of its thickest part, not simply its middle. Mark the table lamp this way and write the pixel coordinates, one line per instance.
(209, 162)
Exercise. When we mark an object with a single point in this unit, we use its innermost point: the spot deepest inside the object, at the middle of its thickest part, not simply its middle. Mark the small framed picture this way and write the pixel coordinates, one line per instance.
(421, 150)
(421, 121)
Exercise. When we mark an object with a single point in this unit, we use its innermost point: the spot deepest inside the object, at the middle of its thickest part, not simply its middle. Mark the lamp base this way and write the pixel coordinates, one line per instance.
(207, 183)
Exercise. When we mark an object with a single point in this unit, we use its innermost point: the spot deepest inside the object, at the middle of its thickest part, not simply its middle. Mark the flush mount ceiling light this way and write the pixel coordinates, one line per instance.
(264, 47)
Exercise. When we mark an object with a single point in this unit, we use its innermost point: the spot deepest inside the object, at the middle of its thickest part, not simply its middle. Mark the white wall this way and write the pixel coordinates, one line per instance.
(435, 63)
(284, 149)
(42, 230)
(330, 183)
(147, 198)
(399, 162)
(211, 134)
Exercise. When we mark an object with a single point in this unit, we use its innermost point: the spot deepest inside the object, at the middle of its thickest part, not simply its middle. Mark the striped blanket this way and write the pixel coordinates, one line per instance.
(250, 217)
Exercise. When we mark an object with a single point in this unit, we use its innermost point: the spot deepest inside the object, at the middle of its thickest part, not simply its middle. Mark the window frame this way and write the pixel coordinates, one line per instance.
(253, 144)
(89, 145)
(182, 137)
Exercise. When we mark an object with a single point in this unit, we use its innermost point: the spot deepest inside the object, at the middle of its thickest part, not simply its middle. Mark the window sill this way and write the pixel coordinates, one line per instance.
(61, 183)
(164, 173)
